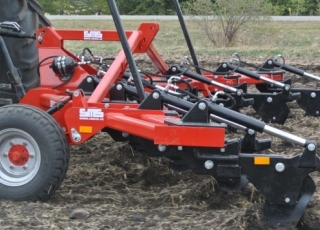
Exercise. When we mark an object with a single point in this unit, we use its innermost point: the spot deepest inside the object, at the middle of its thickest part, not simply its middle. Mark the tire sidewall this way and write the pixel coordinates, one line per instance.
(43, 179)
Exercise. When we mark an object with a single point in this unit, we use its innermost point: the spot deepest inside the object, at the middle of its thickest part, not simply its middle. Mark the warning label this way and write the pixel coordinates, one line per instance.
(92, 35)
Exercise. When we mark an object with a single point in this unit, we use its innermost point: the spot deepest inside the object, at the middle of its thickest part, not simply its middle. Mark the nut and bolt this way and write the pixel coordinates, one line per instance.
(287, 87)
(317, 112)
(25, 167)
(222, 150)
(155, 95)
(269, 99)
(287, 200)
(40, 39)
(239, 92)
(202, 106)
(274, 118)
(180, 148)
(311, 147)
(269, 62)
(25, 143)
(31, 156)
(251, 131)
(224, 65)
(174, 69)
(208, 164)
(11, 143)
(313, 94)
(89, 79)
(124, 134)
(11, 167)
(76, 93)
(106, 105)
(5, 155)
(162, 148)
(119, 87)
(280, 167)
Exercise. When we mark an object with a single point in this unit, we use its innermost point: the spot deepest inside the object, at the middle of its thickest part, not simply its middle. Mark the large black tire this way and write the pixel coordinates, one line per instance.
(24, 53)
(34, 154)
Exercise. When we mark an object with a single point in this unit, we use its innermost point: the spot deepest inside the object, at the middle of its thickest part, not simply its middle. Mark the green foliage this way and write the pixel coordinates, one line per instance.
(164, 7)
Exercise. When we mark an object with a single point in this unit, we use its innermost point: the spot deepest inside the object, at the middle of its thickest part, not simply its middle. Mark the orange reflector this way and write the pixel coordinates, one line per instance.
(262, 160)
(85, 129)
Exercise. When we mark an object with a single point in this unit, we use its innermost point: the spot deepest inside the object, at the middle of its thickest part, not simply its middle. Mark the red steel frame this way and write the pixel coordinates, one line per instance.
(125, 117)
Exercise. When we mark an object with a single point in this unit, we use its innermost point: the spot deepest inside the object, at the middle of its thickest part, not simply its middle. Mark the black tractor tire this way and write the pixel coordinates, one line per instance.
(24, 53)
(34, 154)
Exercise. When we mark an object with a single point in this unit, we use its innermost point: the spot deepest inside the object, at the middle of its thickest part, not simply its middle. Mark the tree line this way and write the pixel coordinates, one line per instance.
(165, 7)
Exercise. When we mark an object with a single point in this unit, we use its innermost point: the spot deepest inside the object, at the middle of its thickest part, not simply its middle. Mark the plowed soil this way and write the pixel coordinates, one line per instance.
(122, 188)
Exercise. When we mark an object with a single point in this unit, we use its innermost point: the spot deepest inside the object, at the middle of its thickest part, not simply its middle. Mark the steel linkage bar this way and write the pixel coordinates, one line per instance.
(186, 35)
(125, 46)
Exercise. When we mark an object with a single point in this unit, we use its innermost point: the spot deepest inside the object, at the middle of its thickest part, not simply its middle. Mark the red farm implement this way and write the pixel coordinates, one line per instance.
(75, 101)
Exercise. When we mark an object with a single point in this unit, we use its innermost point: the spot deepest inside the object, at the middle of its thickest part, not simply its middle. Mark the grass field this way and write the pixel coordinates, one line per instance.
(291, 39)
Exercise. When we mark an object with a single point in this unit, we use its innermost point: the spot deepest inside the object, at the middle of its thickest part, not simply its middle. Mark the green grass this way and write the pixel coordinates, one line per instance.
(291, 39)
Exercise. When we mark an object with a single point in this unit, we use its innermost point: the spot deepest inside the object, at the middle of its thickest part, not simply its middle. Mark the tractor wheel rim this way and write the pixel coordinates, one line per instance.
(20, 157)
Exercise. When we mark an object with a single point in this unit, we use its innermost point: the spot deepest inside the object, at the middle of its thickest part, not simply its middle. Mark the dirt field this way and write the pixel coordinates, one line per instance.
(124, 189)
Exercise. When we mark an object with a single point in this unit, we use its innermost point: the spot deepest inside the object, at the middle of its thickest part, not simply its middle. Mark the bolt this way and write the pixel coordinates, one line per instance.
(11, 143)
(89, 79)
(155, 95)
(311, 147)
(180, 148)
(280, 167)
(208, 164)
(162, 148)
(25, 167)
(224, 65)
(287, 87)
(274, 118)
(215, 77)
(76, 93)
(250, 131)
(31, 156)
(76, 139)
(119, 87)
(40, 39)
(269, 99)
(221, 104)
(5, 155)
(25, 143)
(287, 200)
(222, 150)
(269, 62)
(313, 95)
(125, 134)
(11, 167)
(127, 107)
(317, 112)
(239, 92)
(174, 69)
(106, 105)
(202, 106)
